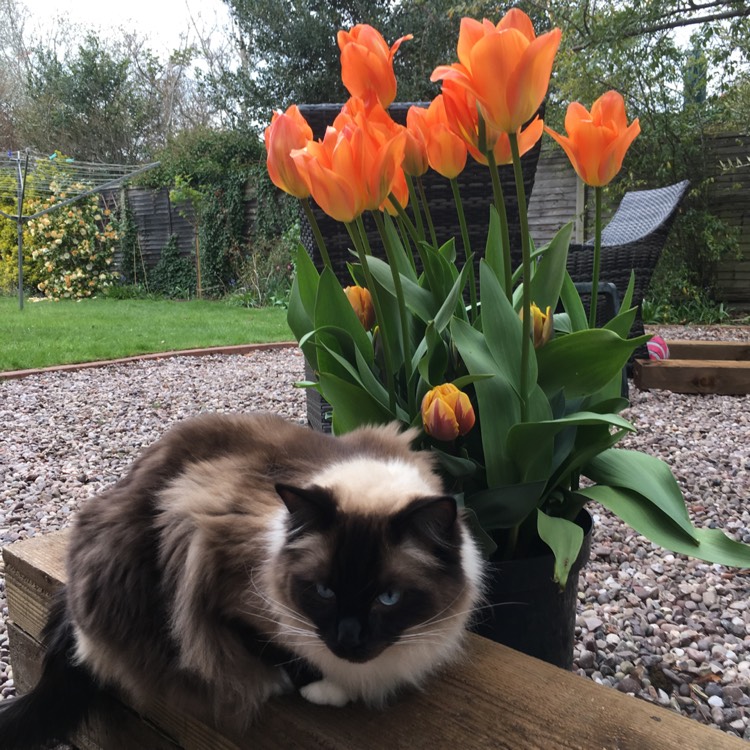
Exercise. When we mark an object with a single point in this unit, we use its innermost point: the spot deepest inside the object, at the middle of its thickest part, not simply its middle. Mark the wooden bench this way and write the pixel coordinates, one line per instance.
(497, 698)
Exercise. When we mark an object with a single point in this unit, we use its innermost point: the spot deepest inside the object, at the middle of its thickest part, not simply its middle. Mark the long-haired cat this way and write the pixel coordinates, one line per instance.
(243, 556)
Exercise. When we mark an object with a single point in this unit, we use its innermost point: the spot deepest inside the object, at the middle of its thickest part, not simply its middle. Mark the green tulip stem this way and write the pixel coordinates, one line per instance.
(526, 273)
(467, 247)
(405, 218)
(316, 232)
(406, 242)
(415, 205)
(401, 301)
(497, 191)
(597, 255)
(358, 236)
(427, 214)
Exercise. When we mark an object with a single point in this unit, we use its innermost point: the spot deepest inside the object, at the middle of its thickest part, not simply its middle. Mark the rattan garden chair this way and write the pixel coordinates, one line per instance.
(632, 241)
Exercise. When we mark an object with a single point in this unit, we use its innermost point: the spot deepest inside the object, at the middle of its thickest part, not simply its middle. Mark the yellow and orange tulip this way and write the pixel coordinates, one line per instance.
(598, 140)
(361, 301)
(288, 131)
(447, 412)
(367, 63)
(505, 66)
(542, 325)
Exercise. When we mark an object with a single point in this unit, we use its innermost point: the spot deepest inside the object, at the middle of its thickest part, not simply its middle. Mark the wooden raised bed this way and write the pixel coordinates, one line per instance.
(496, 699)
(721, 367)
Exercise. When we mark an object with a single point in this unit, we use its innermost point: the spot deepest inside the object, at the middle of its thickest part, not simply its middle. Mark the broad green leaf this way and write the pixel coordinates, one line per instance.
(448, 308)
(432, 366)
(499, 405)
(711, 545)
(572, 304)
(399, 254)
(501, 325)
(531, 444)
(334, 312)
(584, 361)
(493, 253)
(308, 277)
(505, 507)
(456, 466)
(564, 538)
(627, 300)
(551, 270)
(647, 475)
(301, 310)
(352, 405)
(622, 322)
(419, 301)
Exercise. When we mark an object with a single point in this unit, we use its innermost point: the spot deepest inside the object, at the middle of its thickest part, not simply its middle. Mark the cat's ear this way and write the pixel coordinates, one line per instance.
(431, 517)
(310, 507)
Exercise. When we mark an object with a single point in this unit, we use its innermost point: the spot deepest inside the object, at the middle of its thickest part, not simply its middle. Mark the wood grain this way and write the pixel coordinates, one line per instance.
(495, 698)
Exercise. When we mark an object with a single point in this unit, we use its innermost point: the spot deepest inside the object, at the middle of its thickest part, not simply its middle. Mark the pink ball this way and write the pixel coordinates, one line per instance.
(657, 348)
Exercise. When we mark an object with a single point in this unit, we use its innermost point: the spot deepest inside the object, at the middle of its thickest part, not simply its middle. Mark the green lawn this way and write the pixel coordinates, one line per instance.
(53, 333)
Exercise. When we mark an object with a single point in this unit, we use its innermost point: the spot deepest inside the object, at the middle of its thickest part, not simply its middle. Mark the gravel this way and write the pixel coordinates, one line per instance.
(665, 628)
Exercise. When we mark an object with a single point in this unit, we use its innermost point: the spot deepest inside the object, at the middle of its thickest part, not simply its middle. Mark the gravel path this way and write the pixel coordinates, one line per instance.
(670, 630)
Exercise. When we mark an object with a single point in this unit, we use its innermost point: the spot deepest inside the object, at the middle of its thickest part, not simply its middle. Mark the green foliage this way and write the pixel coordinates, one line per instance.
(132, 270)
(266, 274)
(174, 274)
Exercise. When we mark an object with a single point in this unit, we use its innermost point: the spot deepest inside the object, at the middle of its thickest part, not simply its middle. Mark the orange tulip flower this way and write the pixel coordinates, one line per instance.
(446, 151)
(367, 63)
(355, 165)
(361, 301)
(286, 132)
(415, 153)
(463, 118)
(505, 66)
(447, 412)
(597, 141)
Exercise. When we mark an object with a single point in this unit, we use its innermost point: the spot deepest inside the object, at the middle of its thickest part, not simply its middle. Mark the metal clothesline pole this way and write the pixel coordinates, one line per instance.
(20, 220)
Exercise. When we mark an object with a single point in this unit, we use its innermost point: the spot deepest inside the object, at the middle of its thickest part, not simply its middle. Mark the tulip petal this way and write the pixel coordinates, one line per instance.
(440, 421)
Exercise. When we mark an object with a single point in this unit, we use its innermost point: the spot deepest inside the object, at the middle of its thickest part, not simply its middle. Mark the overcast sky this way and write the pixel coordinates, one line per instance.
(162, 21)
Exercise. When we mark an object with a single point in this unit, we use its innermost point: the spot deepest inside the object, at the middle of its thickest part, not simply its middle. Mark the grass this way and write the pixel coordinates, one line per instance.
(54, 333)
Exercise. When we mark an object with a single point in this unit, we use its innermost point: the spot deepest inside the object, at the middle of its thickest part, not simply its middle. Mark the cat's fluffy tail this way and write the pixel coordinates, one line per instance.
(59, 702)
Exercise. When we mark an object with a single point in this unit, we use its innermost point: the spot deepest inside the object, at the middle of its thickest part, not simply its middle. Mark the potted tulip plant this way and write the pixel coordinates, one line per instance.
(520, 403)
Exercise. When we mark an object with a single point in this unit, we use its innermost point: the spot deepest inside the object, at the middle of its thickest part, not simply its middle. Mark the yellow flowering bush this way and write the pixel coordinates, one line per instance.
(74, 245)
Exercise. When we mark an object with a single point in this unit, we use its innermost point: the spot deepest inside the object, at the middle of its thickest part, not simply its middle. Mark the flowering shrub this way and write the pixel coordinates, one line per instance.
(74, 245)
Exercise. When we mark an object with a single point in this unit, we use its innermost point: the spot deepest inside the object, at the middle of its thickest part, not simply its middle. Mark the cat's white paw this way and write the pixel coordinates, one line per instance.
(325, 693)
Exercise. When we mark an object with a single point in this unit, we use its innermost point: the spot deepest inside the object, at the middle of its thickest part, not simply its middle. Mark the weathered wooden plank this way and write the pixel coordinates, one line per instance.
(693, 376)
(738, 351)
(496, 699)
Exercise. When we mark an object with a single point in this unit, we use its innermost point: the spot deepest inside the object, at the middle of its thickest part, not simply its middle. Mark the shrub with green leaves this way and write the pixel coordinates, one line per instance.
(73, 244)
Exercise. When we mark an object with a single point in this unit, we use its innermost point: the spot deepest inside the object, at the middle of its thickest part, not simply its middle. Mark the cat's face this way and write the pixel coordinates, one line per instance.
(365, 581)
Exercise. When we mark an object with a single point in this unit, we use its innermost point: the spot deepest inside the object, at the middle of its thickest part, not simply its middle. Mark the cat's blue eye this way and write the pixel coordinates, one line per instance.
(323, 591)
(390, 597)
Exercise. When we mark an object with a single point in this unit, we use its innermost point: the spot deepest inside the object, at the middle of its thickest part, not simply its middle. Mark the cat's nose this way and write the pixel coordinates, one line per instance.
(350, 632)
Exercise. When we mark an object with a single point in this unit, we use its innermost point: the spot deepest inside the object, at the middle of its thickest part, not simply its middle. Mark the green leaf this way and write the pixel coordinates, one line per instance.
(572, 304)
(711, 545)
(646, 475)
(499, 404)
(419, 301)
(493, 253)
(585, 361)
(505, 507)
(564, 538)
(301, 310)
(531, 444)
(352, 405)
(502, 327)
(550, 272)
(447, 309)
(334, 312)
(401, 258)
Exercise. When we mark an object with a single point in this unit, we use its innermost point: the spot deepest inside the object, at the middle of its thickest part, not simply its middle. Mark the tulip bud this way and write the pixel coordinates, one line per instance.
(447, 412)
(361, 301)
(542, 325)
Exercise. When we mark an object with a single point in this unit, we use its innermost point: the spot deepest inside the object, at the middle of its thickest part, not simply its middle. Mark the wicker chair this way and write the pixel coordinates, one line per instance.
(476, 196)
(632, 241)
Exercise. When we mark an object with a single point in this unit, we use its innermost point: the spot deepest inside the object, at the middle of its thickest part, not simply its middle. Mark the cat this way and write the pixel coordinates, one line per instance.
(244, 556)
